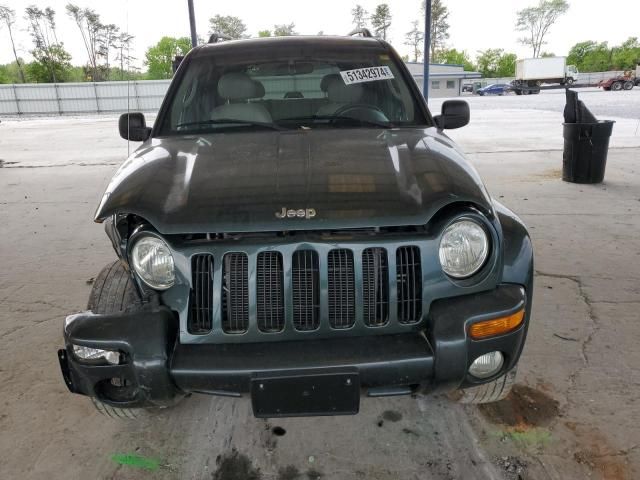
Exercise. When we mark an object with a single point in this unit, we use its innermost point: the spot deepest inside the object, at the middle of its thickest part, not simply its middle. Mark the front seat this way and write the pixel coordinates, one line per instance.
(236, 88)
(339, 94)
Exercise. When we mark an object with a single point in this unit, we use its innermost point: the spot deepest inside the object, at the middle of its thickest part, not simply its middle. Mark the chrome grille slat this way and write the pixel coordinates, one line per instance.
(270, 292)
(341, 289)
(306, 290)
(235, 293)
(375, 287)
(409, 284)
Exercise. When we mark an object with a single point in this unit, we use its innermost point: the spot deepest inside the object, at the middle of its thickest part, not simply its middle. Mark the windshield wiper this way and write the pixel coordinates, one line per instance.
(339, 117)
(231, 121)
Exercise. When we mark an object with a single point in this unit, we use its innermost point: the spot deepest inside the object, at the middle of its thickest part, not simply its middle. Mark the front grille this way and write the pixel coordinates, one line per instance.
(201, 308)
(409, 284)
(375, 287)
(235, 293)
(270, 291)
(305, 285)
(341, 286)
(273, 293)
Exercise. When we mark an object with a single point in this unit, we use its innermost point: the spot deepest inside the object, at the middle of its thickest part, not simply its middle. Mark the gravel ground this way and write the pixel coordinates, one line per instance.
(573, 415)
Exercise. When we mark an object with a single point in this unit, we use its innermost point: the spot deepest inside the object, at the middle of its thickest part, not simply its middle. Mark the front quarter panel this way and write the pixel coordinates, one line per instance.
(517, 248)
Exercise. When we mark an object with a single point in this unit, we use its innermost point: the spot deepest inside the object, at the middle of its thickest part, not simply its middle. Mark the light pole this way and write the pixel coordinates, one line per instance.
(427, 48)
(192, 24)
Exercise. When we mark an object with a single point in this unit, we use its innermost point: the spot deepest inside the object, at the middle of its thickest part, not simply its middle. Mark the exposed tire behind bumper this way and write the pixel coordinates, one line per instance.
(114, 292)
(490, 392)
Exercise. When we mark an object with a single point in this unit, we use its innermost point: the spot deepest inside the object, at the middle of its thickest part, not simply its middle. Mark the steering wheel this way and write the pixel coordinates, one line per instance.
(367, 112)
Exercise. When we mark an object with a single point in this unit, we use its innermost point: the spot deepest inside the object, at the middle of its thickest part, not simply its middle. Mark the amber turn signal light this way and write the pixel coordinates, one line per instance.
(496, 326)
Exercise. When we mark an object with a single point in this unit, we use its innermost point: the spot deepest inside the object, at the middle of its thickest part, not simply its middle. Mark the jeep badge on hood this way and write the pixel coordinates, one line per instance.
(293, 213)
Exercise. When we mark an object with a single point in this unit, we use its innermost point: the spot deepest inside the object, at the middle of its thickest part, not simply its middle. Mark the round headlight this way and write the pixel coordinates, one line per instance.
(464, 248)
(153, 262)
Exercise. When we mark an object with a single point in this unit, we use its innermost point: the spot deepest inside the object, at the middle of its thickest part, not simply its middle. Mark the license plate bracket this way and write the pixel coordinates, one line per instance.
(309, 394)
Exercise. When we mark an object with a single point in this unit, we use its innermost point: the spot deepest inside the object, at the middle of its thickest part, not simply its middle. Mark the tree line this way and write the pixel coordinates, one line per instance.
(108, 47)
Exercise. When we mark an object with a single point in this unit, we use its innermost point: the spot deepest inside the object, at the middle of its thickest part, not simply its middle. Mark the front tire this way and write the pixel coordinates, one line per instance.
(114, 292)
(493, 391)
(628, 85)
(570, 81)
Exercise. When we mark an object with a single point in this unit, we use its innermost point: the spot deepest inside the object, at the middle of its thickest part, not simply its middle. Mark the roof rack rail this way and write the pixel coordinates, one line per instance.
(216, 37)
(363, 32)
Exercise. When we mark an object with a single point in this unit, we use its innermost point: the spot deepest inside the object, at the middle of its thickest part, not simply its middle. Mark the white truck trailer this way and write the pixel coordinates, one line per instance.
(533, 72)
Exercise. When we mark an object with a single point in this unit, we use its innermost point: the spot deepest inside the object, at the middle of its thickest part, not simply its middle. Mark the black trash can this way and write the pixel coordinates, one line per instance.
(585, 151)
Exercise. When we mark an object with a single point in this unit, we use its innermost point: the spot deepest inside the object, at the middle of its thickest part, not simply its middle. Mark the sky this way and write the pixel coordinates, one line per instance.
(475, 25)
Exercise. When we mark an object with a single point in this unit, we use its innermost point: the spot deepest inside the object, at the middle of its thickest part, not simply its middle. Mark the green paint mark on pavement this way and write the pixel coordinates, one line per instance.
(535, 437)
(525, 437)
(136, 461)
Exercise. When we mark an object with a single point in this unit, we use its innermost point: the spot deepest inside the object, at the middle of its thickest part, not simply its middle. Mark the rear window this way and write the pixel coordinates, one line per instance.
(292, 88)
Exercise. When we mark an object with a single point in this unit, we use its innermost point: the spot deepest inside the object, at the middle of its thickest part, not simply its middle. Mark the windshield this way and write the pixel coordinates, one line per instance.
(362, 88)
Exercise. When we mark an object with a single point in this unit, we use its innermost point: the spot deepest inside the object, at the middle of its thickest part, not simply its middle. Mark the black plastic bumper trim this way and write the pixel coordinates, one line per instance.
(381, 361)
(159, 370)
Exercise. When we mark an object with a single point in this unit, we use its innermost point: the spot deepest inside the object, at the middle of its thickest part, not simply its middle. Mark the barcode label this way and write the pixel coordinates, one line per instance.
(370, 74)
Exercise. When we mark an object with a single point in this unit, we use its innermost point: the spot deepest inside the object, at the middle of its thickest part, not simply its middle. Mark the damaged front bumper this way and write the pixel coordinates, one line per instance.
(311, 377)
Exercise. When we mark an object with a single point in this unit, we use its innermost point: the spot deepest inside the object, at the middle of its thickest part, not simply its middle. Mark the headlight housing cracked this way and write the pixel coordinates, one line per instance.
(464, 248)
(153, 262)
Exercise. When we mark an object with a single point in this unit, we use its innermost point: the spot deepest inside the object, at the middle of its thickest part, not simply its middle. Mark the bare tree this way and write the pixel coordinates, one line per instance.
(106, 41)
(536, 22)
(381, 20)
(48, 53)
(123, 46)
(414, 38)
(8, 16)
(40, 24)
(360, 16)
(50, 16)
(88, 22)
(439, 26)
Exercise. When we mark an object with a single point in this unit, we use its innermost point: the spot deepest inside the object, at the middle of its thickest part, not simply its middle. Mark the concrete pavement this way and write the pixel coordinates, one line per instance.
(574, 414)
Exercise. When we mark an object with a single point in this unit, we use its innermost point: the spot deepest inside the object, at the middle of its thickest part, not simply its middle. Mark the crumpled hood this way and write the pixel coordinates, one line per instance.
(237, 182)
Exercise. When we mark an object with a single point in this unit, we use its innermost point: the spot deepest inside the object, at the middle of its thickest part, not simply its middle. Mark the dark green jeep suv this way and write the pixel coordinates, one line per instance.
(296, 227)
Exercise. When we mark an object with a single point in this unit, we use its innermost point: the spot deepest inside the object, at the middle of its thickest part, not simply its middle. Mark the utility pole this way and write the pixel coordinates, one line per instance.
(427, 48)
(192, 23)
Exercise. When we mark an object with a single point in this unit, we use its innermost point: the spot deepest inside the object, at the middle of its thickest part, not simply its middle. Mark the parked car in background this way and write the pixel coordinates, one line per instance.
(495, 89)
(467, 87)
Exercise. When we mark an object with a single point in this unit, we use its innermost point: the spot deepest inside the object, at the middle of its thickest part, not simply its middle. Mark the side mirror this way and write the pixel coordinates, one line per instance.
(455, 114)
(133, 127)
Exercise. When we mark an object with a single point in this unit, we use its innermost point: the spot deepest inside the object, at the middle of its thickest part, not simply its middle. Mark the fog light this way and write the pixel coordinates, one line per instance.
(486, 365)
(93, 354)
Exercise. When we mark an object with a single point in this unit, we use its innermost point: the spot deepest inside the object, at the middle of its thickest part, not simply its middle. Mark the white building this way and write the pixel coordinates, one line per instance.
(445, 79)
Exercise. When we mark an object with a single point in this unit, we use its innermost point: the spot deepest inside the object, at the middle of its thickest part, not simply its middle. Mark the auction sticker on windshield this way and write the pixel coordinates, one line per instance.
(370, 74)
